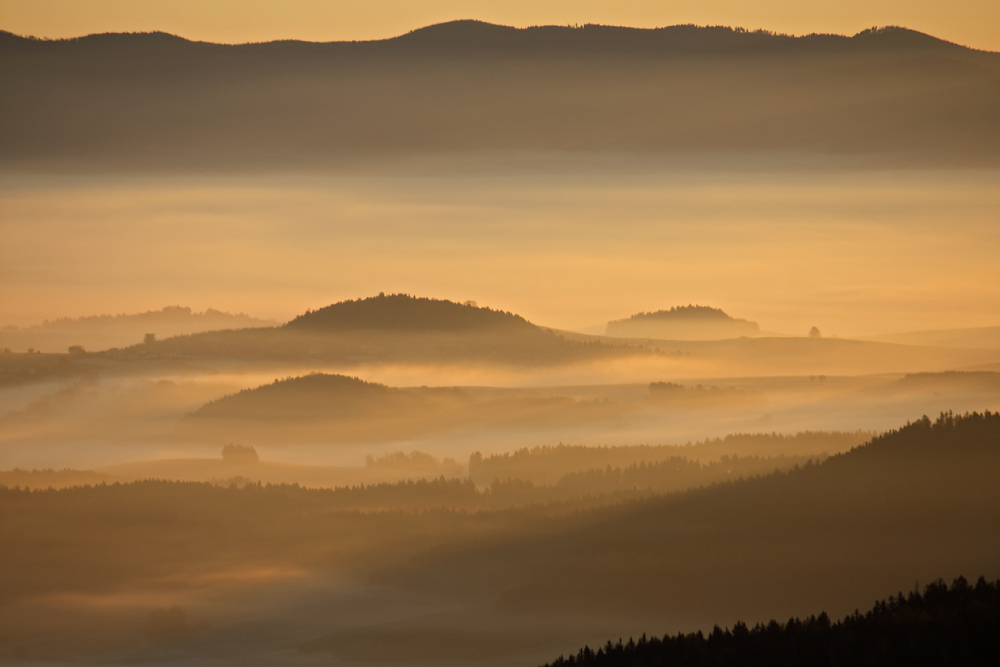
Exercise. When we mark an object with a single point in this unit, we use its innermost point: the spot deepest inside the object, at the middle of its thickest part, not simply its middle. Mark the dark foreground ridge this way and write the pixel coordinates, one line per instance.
(943, 626)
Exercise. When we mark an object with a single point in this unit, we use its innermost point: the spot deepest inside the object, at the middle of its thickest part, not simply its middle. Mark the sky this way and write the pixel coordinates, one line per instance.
(974, 23)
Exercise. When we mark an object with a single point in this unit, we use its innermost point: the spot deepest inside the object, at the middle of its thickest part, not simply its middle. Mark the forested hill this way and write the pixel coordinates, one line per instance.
(941, 627)
(912, 505)
(693, 321)
(404, 312)
(309, 396)
(387, 328)
(158, 101)
(337, 409)
(479, 37)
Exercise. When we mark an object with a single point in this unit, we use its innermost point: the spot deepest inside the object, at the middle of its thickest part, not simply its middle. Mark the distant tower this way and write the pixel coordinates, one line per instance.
(149, 339)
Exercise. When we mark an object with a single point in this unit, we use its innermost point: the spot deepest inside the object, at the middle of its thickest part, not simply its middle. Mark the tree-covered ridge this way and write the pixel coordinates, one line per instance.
(959, 625)
(547, 464)
(971, 434)
(684, 321)
(688, 312)
(910, 505)
(472, 36)
(305, 396)
(340, 409)
(405, 312)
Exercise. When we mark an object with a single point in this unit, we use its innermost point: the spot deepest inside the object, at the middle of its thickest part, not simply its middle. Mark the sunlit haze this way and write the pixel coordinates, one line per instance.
(500, 334)
(565, 244)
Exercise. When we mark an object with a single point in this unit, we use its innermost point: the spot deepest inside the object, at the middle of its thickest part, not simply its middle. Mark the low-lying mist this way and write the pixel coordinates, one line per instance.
(569, 241)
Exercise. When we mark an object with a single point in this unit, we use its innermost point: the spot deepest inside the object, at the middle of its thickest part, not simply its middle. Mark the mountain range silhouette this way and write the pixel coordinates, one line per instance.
(154, 100)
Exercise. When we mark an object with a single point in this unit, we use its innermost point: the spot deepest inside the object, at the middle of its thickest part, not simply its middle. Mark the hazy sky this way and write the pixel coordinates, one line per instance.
(971, 22)
(851, 252)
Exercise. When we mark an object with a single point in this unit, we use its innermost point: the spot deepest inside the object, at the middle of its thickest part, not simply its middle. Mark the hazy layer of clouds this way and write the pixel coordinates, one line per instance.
(566, 243)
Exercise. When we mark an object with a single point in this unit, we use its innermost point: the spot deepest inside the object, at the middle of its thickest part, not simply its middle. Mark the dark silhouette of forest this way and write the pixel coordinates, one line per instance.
(405, 312)
(683, 321)
(548, 464)
(158, 101)
(957, 625)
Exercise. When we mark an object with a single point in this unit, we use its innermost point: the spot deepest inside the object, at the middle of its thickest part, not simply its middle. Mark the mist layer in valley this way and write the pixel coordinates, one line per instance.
(324, 515)
(443, 570)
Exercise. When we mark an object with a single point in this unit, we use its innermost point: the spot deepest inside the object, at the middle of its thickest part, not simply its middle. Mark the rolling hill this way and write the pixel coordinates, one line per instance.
(910, 505)
(100, 332)
(328, 408)
(401, 312)
(683, 323)
(386, 329)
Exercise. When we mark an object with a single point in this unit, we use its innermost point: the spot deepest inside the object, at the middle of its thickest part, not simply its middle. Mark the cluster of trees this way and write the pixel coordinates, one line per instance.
(239, 454)
(957, 626)
(683, 322)
(688, 312)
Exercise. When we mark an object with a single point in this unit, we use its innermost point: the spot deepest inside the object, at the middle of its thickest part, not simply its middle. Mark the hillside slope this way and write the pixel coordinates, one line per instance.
(385, 329)
(909, 506)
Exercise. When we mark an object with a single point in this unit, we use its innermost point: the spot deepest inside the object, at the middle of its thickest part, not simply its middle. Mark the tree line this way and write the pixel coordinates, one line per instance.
(956, 625)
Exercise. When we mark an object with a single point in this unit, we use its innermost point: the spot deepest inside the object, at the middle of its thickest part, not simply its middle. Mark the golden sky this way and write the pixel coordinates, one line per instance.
(974, 23)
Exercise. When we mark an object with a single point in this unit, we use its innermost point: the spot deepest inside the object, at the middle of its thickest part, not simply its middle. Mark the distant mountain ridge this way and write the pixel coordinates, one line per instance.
(483, 36)
(469, 86)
